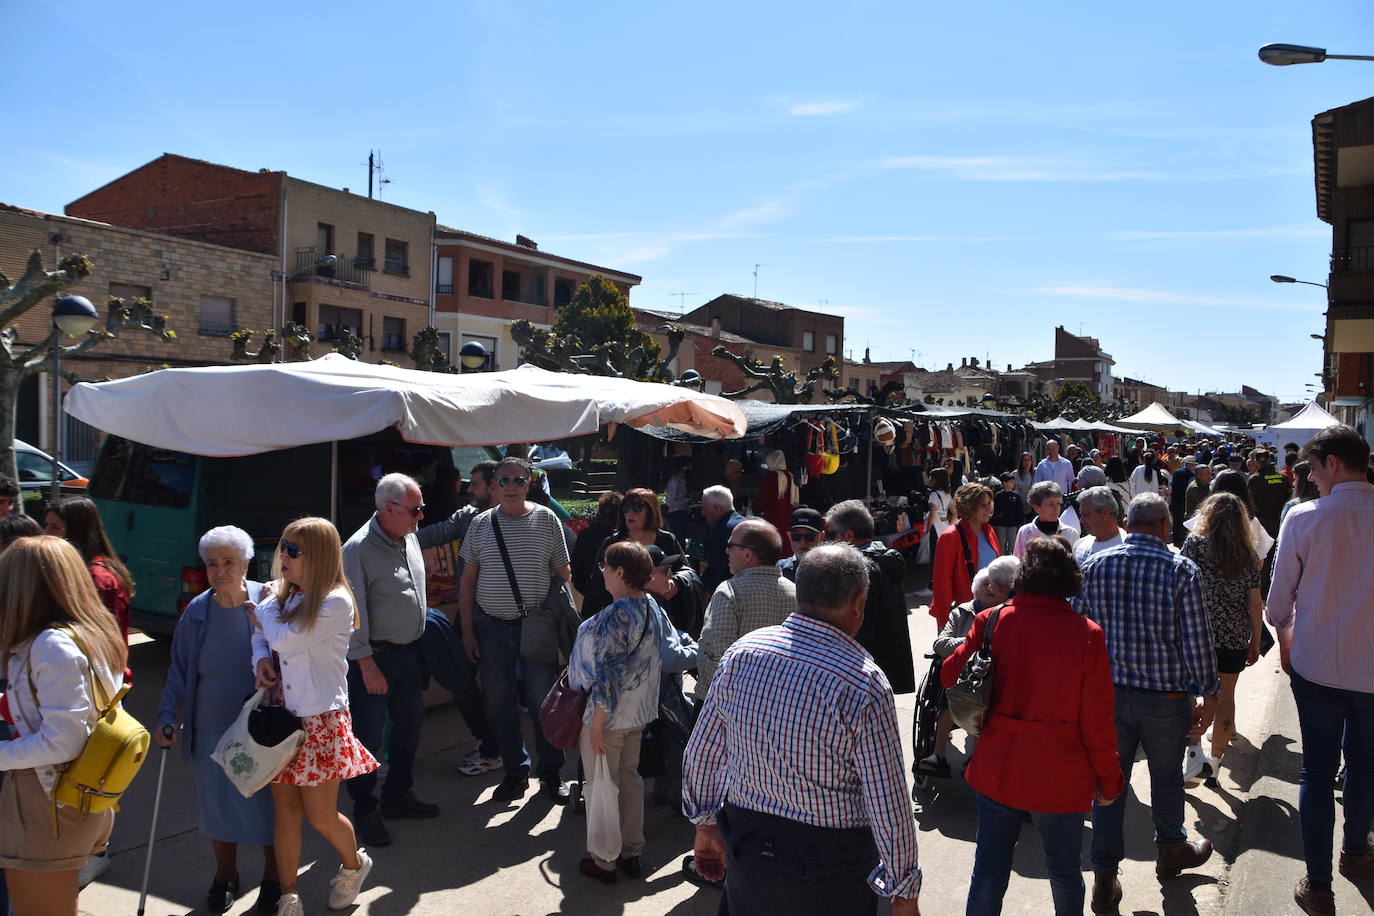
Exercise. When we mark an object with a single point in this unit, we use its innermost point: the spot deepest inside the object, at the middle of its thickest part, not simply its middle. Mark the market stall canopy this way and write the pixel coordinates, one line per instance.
(764, 418)
(1156, 417)
(1202, 428)
(223, 411)
(1305, 424)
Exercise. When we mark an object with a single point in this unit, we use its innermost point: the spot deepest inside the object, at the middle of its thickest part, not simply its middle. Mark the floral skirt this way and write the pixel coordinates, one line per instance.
(329, 751)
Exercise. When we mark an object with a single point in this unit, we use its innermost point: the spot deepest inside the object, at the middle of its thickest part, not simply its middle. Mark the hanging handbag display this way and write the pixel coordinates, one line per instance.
(971, 697)
(815, 461)
(830, 450)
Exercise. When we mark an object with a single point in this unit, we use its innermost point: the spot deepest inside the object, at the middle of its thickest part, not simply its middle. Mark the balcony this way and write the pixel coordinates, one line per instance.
(443, 289)
(1361, 258)
(481, 292)
(527, 299)
(310, 262)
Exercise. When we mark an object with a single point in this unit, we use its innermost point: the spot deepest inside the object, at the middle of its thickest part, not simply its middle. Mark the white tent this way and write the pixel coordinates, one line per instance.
(1155, 417)
(1305, 424)
(1202, 428)
(242, 410)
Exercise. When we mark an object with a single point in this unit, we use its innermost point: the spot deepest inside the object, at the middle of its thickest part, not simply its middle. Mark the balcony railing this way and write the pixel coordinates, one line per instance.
(443, 289)
(482, 292)
(1361, 258)
(312, 262)
(527, 299)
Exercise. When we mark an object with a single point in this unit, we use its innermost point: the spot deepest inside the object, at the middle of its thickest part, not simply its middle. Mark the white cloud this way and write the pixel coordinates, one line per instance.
(822, 107)
(1168, 297)
(1018, 168)
(767, 212)
(1258, 232)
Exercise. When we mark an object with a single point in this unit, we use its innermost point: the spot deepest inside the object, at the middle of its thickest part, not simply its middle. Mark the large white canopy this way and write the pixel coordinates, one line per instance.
(1156, 416)
(242, 410)
(1301, 427)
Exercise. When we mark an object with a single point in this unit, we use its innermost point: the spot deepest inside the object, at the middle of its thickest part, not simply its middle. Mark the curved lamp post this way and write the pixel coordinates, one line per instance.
(74, 316)
(472, 356)
(1283, 55)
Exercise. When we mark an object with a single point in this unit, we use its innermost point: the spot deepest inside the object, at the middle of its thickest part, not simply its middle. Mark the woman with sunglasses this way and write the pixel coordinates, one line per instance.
(300, 641)
(641, 521)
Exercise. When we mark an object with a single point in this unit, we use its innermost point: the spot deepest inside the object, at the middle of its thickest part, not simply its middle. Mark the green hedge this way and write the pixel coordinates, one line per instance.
(580, 508)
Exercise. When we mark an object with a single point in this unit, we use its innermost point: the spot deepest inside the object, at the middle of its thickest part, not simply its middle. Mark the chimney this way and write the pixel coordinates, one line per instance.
(963, 363)
(715, 327)
(1008, 367)
(949, 367)
(525, 242)
(866, 356)
(973, 361)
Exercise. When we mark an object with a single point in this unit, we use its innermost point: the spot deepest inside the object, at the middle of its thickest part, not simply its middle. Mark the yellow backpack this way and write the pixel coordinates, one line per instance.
(111, 758)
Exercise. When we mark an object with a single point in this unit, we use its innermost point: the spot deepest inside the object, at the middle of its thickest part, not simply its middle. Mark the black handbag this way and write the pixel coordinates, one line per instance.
(547, 629)
(971, 696)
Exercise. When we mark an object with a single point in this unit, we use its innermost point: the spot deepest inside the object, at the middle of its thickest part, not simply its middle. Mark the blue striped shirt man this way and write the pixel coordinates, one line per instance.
(800, 724)
(1148, 600)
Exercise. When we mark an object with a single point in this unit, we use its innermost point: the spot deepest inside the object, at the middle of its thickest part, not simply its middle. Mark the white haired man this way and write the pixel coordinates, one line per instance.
(718, 508)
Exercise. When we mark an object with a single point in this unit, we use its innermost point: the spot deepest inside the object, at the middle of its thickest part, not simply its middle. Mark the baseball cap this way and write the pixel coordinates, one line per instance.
(807, 518)
(658, 558)
(1190, 459)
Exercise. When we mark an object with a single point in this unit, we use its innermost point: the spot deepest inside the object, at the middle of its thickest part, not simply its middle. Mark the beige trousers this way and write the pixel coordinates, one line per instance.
(622, 759)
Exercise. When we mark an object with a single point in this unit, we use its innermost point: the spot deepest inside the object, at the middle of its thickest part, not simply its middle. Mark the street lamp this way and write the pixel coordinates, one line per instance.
(1280, 278)
(472, 356)
(73, 316)
(1282, 55)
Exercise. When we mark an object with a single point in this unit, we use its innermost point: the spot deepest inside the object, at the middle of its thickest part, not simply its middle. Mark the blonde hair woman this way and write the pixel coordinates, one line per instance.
(58, 642)
(300, 638)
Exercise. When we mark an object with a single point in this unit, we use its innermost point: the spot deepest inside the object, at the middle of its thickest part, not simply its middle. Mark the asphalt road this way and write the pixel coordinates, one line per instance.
(484, 857)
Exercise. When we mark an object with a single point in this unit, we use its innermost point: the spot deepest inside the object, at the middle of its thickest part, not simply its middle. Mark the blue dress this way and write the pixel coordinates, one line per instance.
(224, 681)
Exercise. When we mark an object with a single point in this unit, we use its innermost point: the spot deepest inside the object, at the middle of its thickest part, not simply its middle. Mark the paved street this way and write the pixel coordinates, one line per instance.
(488, 858)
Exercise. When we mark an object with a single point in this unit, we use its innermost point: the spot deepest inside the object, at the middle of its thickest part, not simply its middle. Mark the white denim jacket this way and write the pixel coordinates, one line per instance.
(54, 732)
(314, 663)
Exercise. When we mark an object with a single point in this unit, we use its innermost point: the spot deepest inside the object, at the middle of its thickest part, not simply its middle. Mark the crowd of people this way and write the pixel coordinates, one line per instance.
(1120, 596)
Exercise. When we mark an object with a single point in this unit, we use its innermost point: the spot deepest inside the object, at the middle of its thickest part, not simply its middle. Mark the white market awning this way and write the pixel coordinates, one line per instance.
(1299, 428)
(223, 411)
(1156, 417)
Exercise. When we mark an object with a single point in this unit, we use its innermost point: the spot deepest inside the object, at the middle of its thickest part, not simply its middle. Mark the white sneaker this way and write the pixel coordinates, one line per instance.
(344, 887)
(290, 905)
(474, 764)
(95, 867)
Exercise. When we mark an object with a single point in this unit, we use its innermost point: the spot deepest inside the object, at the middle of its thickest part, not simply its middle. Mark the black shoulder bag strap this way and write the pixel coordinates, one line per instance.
(968, 554)
(510, 570)
(992, 624)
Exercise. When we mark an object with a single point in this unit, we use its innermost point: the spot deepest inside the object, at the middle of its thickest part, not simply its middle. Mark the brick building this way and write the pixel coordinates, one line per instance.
(779, 327)
(203, 288)
(1082, 359)
(340, 260)
(483, 285)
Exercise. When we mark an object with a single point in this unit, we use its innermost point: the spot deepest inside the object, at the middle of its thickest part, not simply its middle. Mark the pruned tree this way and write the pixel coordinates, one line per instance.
(426, 353)
(892, 394)
(777, 379)
(17, 364)
(298, 340)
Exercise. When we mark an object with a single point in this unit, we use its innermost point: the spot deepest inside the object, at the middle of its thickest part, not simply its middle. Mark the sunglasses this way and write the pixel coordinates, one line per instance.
(634, 505)
(289, 548)
(512, 481)
(804, 535)
(414, 513)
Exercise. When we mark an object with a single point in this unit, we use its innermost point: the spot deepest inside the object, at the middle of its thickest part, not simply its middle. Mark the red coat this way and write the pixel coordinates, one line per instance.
(950, 582)
(1050, 738)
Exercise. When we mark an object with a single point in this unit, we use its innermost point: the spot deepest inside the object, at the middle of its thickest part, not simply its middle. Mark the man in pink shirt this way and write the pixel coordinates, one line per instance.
(1322, 605)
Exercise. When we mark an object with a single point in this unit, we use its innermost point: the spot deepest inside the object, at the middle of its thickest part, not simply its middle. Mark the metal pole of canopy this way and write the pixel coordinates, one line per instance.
(868, 482)
(334, 482)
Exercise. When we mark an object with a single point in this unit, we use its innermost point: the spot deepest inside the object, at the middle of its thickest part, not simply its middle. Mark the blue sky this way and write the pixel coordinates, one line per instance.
(954, 179)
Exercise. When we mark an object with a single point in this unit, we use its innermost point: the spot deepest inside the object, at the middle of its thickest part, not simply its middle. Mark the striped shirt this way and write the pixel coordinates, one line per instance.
(536, 546)
(800, 724)
(755, 597)
(1148, 600)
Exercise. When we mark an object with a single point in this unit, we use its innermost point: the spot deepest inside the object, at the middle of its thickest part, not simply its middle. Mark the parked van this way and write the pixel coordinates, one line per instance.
(156, 503)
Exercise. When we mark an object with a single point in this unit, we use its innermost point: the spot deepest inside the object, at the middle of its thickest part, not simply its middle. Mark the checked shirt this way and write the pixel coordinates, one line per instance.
(800, 724)
(752, 598)
(1148, 600)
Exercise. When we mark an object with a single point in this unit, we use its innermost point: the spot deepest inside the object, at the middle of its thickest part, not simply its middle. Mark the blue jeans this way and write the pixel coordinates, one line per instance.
(1331, 719)
(1159, 723)
(445, 660)
(999, 826)
(404, 671)
(498, 641)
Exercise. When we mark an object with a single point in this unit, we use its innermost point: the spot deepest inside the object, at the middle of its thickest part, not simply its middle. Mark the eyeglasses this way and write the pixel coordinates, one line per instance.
(289, 548)
(731, 545)
(512, 481)
(634, 505)
(601, 567)
(415, 512)
(804, 535)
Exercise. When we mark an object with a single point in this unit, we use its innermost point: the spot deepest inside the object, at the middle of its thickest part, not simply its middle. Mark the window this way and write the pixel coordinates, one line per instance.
(538, 290)
(333, 320)
(130, 291)
(443, 285)
(324, 239)
(510, 284)
(830, 344)
(133, 473)
(809, 341)
(479, 279)
(854, 382)
(397, 254)
(393, 333)
(490, 344)
(298, 313)
(216, 315)
(365, 253)
(562, 291)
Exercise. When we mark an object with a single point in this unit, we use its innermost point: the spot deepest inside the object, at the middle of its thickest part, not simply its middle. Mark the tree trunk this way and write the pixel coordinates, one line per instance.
(10, 380)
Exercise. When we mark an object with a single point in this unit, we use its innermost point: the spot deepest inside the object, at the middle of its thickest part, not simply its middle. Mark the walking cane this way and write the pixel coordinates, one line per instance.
(167, 732)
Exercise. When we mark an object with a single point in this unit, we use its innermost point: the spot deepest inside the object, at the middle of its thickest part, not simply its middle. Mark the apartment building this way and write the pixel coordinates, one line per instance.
(1082, 359)
(341, 261)
(812, 335)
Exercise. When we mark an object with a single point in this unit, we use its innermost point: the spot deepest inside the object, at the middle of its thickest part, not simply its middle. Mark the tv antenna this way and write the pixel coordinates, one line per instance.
(374, 166)
(756, 278)
(681, 302)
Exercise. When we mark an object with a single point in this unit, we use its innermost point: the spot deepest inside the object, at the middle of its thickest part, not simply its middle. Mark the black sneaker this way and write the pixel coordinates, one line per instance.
(555, 790)
(371, 831)
(408, 805)
(631, 866)
(222, 895)
(269, 892)
(512, 788)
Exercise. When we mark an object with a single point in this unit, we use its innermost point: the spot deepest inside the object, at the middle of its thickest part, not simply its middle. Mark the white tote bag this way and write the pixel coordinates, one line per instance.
(603, 813)
(248, 764)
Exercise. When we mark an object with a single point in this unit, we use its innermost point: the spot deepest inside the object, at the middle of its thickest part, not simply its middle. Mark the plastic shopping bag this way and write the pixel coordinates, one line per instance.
(603, 814)
(248, 764)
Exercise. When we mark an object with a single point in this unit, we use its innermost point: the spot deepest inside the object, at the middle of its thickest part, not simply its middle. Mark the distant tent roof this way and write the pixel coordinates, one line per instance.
(1305, 424)
(1156, 416)
(1202, 428)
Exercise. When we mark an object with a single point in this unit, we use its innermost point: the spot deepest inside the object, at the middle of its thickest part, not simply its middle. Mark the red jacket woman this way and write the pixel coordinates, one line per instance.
(951, 578)
(1050, 738)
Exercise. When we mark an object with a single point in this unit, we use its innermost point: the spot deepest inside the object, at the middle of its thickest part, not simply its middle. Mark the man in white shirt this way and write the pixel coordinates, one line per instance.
(1099, 516)
(1055, 469)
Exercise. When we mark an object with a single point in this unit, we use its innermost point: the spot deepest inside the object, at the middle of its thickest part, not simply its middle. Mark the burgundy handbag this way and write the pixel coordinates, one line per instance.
(560, 715)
